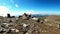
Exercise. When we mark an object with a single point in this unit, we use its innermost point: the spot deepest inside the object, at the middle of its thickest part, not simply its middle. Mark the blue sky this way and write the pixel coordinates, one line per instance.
(17, 7)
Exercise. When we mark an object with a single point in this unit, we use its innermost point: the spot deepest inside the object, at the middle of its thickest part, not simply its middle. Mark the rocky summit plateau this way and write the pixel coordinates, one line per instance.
(26, 24)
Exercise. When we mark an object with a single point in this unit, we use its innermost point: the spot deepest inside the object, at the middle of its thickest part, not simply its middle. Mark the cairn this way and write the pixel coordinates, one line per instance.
(8, 15)
(26, 16)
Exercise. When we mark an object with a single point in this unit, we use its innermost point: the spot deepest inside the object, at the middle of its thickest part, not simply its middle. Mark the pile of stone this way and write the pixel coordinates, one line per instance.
(6, 25)
(7, 28)
(24, 25)
(8, 31)
(26, 16)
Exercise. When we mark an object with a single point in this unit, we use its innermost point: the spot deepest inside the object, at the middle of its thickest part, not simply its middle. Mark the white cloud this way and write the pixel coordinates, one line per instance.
(17, 5)
(32, 12)
(15, 13)
(3, 10)
(13, 2)
(37, 12)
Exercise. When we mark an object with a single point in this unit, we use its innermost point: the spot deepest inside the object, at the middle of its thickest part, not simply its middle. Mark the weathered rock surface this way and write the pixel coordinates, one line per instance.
(23, 26)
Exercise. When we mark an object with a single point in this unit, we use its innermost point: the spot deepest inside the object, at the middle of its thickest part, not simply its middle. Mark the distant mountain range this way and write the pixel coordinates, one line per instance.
(39, 15)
